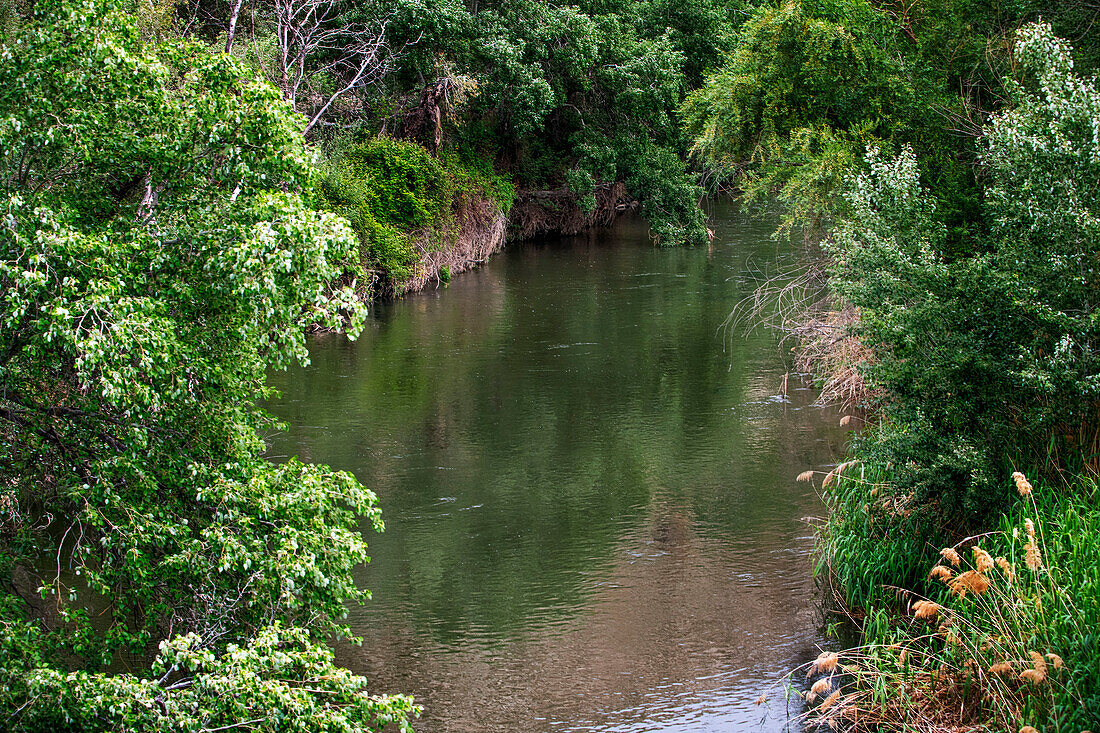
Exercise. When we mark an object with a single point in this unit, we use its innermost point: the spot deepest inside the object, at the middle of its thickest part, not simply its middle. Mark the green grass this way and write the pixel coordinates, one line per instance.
(911, 672)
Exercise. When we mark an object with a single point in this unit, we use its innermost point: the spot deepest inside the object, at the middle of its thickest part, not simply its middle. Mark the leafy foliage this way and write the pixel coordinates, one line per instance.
(807, 84)
(156, 258)
(566, 97)
(279, 681)
(987, 357)
(810, 84)
(573, 91)
(393, 191)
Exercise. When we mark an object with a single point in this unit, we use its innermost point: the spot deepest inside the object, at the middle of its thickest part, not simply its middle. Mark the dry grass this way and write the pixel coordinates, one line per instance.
(477, 234)
(820, 329)
(828, 350)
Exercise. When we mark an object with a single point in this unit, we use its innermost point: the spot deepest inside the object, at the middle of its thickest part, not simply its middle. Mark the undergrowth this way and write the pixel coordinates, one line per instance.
(999, 631)
(402, 201)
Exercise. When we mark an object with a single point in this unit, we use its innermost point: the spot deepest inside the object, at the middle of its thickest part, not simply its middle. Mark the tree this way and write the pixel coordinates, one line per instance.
(989, 359)
(558, 97)
(579, 99)
(807, 86)
(156, 257)
(322, 44)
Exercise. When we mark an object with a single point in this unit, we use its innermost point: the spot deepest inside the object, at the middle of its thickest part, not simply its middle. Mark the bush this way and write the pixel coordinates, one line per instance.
(990, 358)
(396, 195)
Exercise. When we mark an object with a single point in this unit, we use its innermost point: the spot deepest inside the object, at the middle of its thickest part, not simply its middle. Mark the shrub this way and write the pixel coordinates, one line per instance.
(991, 356)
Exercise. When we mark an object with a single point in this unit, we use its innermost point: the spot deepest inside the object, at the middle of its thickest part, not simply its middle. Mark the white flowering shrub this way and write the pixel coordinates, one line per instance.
(156, 258)
(993, 355)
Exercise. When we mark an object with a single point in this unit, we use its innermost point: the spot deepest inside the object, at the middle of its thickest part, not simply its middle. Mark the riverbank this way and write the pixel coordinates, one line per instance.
(422, 218)
(994, 630)
(978, 593)
(482, 227)
(968, 621)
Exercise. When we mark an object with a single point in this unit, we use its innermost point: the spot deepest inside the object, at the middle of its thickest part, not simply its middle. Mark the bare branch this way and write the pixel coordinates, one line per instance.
(315, 39)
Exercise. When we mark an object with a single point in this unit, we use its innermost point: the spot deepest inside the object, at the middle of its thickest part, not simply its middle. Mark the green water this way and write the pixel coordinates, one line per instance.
(588, 484)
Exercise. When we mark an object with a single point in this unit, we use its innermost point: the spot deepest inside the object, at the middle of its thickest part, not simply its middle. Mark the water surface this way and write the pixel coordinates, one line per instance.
(588, 484)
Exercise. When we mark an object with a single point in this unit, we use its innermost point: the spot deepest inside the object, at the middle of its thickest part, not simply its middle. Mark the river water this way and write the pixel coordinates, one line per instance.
(588, 484)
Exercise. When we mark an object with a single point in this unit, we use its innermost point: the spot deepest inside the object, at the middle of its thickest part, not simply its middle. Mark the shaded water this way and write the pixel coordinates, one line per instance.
(588, 485)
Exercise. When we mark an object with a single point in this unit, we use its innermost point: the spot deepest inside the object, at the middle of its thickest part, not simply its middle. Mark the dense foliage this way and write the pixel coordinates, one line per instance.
(580, 97)
(397, 196)
(559, 96)
(988, 359)
(807, 85)
(947, 152)
(984, 364)
(810, 84)
(156, 257)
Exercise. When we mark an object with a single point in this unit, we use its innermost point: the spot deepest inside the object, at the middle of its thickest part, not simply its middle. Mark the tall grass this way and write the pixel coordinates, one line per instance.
(1004, 633)
(876, 540)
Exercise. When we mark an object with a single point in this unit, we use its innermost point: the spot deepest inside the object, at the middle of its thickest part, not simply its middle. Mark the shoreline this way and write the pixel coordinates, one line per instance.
(484, 228)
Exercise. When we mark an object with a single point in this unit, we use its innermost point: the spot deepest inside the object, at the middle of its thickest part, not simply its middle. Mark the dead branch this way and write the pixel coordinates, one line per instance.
(316, 40)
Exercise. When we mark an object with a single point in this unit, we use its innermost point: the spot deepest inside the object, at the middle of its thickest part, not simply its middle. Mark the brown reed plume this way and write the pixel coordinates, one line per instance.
(979, 659)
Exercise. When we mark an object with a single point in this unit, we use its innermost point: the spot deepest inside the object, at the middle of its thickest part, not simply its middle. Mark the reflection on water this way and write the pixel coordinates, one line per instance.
(588, 487)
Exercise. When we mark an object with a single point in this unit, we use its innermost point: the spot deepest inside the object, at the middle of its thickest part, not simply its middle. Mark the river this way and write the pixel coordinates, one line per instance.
(588, 484)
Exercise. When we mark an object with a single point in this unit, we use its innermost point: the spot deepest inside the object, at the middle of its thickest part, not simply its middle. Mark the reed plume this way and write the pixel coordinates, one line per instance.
(1023, 486)
(1038, 671)
(941, 572)
(1032, 556)
(983, 561)
(951, 556)
(971, 581)
(925, 609)
(825, 662)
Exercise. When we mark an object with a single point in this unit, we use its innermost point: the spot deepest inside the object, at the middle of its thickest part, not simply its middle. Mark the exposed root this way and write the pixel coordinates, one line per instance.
(478, 232)
(559, 212)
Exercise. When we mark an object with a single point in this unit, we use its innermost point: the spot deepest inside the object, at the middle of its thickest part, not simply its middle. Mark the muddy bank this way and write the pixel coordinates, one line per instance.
(479, 231)
(482, 227)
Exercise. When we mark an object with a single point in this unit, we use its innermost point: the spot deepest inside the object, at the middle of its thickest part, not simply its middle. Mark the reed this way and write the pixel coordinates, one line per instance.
(1007, 636)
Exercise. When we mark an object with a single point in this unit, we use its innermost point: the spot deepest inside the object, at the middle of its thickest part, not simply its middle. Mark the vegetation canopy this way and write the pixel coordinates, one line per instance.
(156, 257)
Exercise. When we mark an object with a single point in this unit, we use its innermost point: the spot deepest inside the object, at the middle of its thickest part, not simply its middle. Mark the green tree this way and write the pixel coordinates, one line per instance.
(156, 258)
(583, 98)
(807, 86)
(991, 358)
